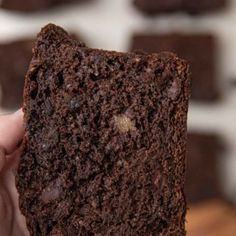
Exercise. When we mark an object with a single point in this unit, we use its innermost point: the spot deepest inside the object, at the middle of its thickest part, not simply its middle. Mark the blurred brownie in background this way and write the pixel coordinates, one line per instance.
(152, 7)
(33, 5)
(199, 49)
(14, 61)
(203, 174)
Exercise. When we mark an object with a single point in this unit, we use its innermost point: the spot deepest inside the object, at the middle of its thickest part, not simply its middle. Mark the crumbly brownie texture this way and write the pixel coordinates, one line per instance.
(32, 5)
(104, 150)
(14, 61)
(203, 174)
(190, 6)
(199, 49)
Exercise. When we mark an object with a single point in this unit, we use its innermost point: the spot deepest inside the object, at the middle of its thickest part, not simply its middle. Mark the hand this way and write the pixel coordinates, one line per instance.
(12, 223)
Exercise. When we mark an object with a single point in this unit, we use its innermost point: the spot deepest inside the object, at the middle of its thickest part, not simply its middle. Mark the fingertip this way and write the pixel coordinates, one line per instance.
(11, 130)
(18, 115)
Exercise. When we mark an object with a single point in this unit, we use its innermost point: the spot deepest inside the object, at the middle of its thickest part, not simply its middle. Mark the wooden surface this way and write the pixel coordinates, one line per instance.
(214, 218)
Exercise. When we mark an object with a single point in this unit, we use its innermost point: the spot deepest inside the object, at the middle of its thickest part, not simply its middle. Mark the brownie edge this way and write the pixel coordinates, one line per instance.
(104, 148)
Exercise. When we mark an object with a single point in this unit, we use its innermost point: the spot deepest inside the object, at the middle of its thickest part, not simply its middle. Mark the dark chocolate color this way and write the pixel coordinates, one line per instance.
(199, 49)
(104, 149)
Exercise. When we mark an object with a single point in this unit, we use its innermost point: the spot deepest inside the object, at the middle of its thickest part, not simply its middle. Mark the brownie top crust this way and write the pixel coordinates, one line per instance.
(104, 149)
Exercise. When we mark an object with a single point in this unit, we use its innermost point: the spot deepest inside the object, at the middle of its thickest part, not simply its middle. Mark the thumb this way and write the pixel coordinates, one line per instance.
(11, 131)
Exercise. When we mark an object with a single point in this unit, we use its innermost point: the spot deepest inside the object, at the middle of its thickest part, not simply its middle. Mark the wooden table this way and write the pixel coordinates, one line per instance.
(214, 218)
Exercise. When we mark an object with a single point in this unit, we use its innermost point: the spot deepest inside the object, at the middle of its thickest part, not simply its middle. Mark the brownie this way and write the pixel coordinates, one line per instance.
(203, 175)
(199, 49)
(153, 7)
(33, 5)
(104, 148)
(14, 61)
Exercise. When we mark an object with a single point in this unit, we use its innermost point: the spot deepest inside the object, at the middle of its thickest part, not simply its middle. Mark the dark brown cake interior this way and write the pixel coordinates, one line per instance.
(105, 143)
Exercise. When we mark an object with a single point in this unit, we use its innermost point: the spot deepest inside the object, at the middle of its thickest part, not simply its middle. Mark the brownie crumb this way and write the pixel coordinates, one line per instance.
(104, 148)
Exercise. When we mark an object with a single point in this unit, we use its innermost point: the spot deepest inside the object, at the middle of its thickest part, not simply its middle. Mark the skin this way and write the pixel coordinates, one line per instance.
(12, 223)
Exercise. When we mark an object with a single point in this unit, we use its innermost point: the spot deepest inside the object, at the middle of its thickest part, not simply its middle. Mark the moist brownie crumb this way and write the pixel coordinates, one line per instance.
(199, 49)
(152, 7)
(14, 61)
(203, 175)
(104, 149)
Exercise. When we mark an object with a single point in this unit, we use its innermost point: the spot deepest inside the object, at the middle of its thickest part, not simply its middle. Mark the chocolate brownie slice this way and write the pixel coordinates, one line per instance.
(14, 61)
(104, 149)
(152, 7)
(199, 49)
(203, 174)
(33, 5)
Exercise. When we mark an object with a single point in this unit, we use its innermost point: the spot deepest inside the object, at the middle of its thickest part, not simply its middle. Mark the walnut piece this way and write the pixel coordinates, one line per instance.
(124, 124)
(52, 191)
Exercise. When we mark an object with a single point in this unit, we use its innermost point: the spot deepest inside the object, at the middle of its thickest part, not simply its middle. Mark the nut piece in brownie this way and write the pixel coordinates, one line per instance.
(199, 49)
(14, 61)
(153, 7)
(203, 175)
(33, 5)
(104, 149)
